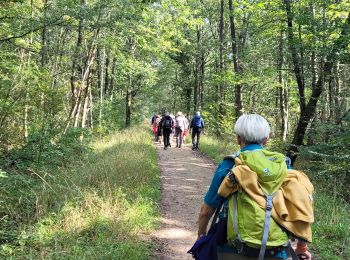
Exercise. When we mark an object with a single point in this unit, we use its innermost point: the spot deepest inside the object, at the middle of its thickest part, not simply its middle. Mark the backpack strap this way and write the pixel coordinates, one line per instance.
(232, 156)
(268, 210)
(292, 252)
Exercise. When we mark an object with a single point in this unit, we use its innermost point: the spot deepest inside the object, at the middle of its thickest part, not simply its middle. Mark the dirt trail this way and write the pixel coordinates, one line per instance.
(185, 177)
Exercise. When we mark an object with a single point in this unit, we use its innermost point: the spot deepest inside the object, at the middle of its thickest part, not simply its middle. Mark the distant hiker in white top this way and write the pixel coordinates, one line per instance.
(180, 126)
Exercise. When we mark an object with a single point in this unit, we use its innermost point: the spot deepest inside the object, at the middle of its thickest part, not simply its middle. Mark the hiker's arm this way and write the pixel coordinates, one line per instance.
(205, 214)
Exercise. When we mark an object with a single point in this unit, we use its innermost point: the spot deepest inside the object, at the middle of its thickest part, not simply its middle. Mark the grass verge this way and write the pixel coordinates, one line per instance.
(332, 219)
(99, 206)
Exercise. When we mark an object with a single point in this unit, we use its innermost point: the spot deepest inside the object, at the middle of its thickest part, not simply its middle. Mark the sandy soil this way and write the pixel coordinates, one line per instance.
(185, 177)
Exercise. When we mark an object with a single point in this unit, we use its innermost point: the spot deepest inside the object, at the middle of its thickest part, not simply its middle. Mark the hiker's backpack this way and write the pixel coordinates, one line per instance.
(247, 222)
(197, 122)
(167, 124)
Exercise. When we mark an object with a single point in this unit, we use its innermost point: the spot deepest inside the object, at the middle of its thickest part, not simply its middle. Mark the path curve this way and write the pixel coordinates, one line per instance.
(185, 177)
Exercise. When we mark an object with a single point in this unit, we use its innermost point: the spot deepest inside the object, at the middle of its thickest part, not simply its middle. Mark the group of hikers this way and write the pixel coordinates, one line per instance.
(168, 126)
(256, 202)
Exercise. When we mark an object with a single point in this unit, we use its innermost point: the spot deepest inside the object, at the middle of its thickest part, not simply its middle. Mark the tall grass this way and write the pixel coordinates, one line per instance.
(99, 206)
(217, 149)
(332, 219)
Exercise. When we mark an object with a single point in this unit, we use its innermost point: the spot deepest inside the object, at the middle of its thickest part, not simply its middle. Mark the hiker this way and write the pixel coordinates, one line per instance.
(166, 125)
(172, 133)
(180, 126)
(187, 127)
(197, 124)
(153, 119)
(243, 186)
(155, 127)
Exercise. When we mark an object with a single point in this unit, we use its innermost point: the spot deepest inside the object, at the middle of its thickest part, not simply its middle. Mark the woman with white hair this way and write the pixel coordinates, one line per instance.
(251, 232)
(180, 125)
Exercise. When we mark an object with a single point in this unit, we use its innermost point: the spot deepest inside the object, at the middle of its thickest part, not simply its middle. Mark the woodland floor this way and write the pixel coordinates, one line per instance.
(185, 177)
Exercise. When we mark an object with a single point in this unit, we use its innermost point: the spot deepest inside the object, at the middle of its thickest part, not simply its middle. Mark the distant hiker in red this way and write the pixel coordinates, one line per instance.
(187, 128)
(155, 124)
(166, 125)
(197, 124)
(180, 126)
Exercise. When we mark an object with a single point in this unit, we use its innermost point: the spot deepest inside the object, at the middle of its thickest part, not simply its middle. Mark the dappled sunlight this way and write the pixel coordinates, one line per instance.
(174, 233)
(126, 137)
(185, 178)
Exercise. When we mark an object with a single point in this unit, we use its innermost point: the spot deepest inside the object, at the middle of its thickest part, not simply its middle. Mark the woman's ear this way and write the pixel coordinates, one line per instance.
(240, 141)
(265, 141)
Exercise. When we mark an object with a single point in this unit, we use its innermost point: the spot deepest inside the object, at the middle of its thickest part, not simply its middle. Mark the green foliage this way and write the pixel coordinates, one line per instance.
(96, 205)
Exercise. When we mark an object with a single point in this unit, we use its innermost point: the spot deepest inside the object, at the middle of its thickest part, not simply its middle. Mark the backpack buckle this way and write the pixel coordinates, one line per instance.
(269, 203)
(238, 244)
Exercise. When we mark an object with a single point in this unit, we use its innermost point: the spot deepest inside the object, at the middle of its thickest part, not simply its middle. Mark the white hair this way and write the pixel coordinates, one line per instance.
(252, 128)
(198, 113)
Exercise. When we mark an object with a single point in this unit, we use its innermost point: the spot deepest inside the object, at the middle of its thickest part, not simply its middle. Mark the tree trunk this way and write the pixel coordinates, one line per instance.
(112, 81)
(128, 100)
(236, 66)
(91, 109)
(106, 86)
(295, 58)
(221, 51)
(202, 79)
(100, 80)
(86, 105)
(75, 90)
(197, 71)
(308, 111)
(282, 90)
(43, 37)
(337, 97)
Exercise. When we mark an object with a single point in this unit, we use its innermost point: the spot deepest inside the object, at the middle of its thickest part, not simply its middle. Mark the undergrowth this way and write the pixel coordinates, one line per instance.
(80, 201)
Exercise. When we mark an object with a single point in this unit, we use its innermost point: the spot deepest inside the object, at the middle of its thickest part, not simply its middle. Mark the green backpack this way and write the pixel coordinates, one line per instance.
(247, 222)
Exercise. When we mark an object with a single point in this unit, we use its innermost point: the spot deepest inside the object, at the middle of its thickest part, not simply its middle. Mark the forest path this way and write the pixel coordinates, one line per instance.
(185, 177)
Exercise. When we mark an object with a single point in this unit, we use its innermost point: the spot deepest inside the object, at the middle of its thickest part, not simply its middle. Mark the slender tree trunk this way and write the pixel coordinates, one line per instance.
(221, 52)
(282, 89)
(100, 79)
(236, 67)
(128, 103)
(202, 79)
(295, 58)
(197, 70)
(91, 109)
(106, 85)
(112, 81)
(86, 105)
(43, 37)
(313, 53)
(337, 97)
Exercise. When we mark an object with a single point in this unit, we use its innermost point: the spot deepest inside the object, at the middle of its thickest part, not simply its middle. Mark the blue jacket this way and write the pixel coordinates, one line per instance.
(196, 119)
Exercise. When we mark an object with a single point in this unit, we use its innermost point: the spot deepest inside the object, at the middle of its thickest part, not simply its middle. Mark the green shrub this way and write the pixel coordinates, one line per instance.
(93, 205)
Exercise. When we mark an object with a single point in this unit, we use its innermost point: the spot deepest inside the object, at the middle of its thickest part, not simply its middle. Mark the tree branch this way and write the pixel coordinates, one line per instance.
(32, 30)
